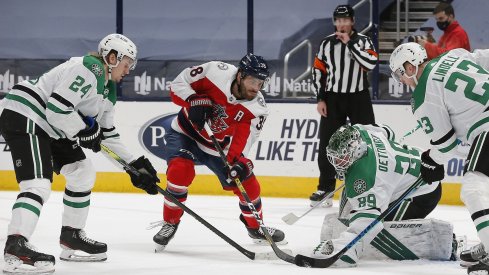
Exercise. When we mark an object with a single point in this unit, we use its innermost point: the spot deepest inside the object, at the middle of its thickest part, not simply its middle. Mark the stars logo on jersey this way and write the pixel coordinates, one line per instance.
(218, 123)
(222, 66)
(359, 186)
(96, 70)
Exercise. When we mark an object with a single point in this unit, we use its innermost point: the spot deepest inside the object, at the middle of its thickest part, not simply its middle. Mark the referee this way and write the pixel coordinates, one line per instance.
(340, 79)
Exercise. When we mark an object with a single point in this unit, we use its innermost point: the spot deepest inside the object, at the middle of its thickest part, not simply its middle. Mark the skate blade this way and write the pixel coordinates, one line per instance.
(159, 248)
(14, 265)
(270, 255)
(465, 264)
(80, 256)
(265, 242)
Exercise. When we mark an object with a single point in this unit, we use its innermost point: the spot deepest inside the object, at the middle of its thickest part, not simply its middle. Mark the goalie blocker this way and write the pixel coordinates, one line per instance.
(414, 239)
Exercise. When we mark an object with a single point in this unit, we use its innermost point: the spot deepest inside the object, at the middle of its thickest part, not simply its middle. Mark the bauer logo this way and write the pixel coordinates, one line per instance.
(152, 133)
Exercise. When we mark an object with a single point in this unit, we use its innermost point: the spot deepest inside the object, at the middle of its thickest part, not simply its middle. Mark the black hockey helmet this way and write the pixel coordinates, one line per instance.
(255, 66)
(343, 11)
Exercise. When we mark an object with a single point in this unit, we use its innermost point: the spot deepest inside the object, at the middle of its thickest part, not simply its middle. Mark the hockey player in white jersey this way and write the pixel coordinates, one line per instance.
(451, 102)
(377, 170)
(42, 120)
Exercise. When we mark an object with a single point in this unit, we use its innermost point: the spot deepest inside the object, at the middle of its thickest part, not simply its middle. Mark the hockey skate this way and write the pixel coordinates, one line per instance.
(318, 196)
(258, 237)
(479, 268)
(77, 247)
(22, 258)
(163, 237)
(472, 256)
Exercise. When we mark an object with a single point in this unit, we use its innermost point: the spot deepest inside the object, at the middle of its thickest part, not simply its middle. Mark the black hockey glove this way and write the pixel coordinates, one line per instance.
(147, 177)
(430, 170)
(200, 109)
(241, 169)
(91, 136)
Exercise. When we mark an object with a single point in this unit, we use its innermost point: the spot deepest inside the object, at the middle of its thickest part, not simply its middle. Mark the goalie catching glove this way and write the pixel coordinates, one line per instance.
(241, 169)
(147, 177)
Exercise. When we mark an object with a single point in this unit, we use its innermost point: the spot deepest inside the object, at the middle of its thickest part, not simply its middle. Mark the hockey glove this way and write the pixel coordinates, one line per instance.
(241, 169)
(147, 177)
(200, 109)
(91, 136)
(430, 170)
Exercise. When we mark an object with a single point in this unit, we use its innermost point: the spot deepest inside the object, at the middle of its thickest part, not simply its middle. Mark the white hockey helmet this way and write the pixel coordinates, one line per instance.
(409, 52)
(345, 147)
(121, 44)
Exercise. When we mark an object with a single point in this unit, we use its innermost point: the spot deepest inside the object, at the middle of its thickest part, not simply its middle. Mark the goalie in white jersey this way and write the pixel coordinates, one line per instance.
(451, 102)
(377, 171)
(41, 121)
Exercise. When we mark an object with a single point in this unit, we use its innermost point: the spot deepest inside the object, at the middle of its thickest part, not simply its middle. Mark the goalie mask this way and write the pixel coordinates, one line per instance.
(122, 45)
(345, 147)
(409, 52)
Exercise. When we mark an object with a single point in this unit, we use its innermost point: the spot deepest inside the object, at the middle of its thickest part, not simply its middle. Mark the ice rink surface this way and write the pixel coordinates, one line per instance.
(120, 220)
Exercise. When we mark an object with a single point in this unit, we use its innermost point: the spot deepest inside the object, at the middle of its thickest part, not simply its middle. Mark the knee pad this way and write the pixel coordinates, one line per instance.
(40, 187)
(180, 171)
(80, 175)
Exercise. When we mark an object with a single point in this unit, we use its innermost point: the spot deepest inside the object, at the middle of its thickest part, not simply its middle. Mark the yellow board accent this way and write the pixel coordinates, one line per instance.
(271, 186)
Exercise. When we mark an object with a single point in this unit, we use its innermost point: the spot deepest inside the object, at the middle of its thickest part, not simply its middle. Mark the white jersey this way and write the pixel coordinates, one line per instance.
(56, 100)
(451, 99)
(380, 177)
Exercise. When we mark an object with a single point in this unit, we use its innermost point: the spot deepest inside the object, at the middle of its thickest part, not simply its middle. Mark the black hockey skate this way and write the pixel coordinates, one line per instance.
(480, 268)
(163, 237)
(73, 241)
(21, 257)
(472, 256)
(318, 196)
(258, 237)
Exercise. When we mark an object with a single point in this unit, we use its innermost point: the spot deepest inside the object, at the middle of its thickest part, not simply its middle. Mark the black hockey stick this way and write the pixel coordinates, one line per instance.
(247, 253)
(302, 260)
(280, 253)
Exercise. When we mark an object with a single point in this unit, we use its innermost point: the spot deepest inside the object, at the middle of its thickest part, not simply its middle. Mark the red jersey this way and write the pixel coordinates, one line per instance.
(235, 123)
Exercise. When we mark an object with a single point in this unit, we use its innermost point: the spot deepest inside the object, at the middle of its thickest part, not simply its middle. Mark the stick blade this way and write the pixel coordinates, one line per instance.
(290, 218)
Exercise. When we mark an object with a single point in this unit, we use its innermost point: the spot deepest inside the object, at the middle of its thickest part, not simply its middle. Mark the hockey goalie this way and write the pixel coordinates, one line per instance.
(377, 170)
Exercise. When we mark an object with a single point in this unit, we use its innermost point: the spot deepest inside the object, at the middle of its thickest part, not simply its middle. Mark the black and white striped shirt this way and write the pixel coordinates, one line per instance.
(342, 68)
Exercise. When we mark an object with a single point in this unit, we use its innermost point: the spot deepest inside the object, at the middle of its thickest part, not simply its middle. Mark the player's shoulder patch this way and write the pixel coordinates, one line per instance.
(222, 66)
(95, 66)
(359, 186)
(261, 100)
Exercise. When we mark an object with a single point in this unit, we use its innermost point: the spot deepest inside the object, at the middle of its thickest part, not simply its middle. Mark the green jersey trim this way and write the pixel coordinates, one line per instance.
(419, 92)
(57, 110)
(360, 177)
(476, 125)
(95, 66)
(363, 215)
(449, 147)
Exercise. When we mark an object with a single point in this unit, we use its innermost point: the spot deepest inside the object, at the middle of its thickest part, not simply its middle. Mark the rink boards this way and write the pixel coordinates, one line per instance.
(285, 156)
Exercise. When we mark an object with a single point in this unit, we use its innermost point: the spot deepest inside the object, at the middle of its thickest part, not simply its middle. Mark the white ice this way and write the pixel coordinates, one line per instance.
(120, 220)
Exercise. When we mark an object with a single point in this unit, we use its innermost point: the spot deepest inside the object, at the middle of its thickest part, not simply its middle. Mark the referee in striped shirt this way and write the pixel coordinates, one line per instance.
(340, 80)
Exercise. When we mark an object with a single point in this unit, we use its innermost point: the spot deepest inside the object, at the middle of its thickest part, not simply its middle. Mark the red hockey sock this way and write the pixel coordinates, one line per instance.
(180, 174)
(252, 188)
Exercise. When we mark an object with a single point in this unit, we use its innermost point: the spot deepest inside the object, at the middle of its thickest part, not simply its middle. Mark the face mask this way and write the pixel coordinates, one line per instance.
(442, 25)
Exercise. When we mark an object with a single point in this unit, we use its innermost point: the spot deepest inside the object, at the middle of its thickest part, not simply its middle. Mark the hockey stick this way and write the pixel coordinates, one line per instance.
(251, 255)
(291, 218)
(280, 253)
(302, 260)
(412, 131)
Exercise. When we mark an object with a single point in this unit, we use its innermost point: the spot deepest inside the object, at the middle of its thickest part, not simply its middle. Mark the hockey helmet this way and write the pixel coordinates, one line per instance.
(255, 66)
(409, 52)
(121, 44)
(345, 147)
(343, 11)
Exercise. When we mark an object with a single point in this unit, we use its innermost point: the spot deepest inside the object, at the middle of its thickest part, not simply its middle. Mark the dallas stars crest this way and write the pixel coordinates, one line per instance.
(97, 70)
(359, 186)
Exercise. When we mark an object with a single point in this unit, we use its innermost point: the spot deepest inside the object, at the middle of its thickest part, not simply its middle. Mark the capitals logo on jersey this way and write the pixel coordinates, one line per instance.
(218, 123)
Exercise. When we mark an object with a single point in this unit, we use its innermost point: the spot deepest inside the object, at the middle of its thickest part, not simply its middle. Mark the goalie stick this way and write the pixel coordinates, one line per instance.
(251, 255)
(291, 218)
(280, 253)
(305, 261)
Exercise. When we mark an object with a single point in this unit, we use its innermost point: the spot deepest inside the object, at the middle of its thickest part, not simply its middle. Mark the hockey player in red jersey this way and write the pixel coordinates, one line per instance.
(229, 99)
